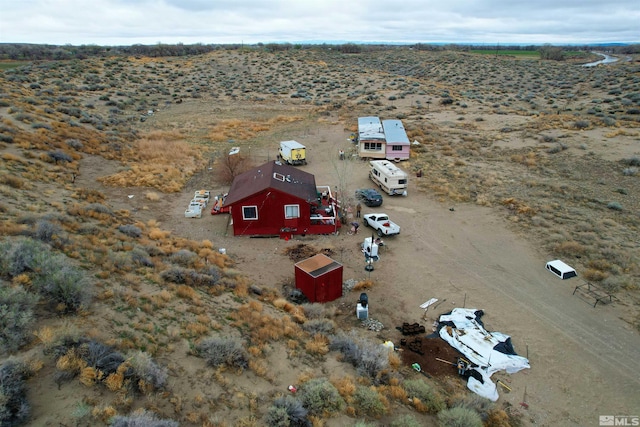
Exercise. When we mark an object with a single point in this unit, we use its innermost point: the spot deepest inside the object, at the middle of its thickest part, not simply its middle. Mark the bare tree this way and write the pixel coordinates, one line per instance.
(226, 168)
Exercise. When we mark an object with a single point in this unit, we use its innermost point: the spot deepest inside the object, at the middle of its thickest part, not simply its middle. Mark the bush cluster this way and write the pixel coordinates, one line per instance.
(14, 407)
(459, 416)
(53, 275)
(143, 419)
(184, 276)
(223, 351)
(287, 411)
(370, 359)
(425, 393)
(16, 317)
(321, 398)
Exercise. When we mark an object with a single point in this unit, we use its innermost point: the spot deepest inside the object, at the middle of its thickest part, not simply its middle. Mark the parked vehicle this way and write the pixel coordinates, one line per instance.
(202, 196)
(561, 269)
(369, 197)
(292, 153)
(389, 177)
(194, 210)
(382, 224)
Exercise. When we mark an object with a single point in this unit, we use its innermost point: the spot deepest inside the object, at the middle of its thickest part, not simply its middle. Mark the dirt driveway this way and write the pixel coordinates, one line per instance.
(580, 356)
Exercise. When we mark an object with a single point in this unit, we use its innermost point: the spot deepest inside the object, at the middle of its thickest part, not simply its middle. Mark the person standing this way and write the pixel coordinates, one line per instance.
(358, 209)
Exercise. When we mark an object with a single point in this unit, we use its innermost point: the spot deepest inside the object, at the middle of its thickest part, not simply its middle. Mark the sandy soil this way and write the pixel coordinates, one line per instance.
(464, 255)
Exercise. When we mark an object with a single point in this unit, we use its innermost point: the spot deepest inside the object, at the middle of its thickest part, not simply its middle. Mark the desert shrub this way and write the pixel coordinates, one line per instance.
(369, 402)
(14, 407)
(174, 275)
(191, 277)
(319, 326)
(425, 393)
(62, 284)
(184, 258)
(100, 356)
(287, 411)
(615, 206)
(570, 248)
(406, 420)
(99, 208)
(459, 416)
(141, 257)
(368, 358)
(223, 351)
(25, 255)
(146, 369)
(45, 231)
(479, 404)
(74, 143)
(632, 161)
(582, 124)
(143, 419)
(321, 398)
(59, 156)
(313, 310)
(630, 171)
(130, 230)
(16, 316)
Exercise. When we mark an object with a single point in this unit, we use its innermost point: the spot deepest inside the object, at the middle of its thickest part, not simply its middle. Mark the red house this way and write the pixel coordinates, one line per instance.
(319, 278)
(277, 199)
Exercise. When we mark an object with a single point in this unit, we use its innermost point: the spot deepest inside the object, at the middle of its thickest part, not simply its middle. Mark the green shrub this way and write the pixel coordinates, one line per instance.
(407, 420)
(146, 369)
(287, 411)
(614, 206)
(319, 326)
(368, 402)
(459, 417)
(24, 255)
(370, 359)
(16, 316)
(184, 258)
(425, 393)
(321, 398)
(223, 351)
(130, 230)
(62, 284)
(144, 419)
(45, 231)
(14, 407)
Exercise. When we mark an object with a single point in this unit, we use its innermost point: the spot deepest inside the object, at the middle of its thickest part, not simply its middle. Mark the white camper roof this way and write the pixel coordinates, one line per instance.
(561, 266)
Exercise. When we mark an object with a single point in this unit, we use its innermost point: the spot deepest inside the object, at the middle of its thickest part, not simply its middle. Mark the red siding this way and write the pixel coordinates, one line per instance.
(319, 278)
(271, 221)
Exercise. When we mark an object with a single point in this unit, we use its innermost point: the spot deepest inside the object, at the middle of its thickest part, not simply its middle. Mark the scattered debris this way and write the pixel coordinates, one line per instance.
(372, 325)
(302, 251)
(348, 285)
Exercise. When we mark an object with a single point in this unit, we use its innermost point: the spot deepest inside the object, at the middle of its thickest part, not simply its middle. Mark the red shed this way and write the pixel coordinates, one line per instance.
(319, 278)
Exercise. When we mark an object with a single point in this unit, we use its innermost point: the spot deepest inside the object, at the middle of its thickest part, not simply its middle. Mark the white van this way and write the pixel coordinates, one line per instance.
(561, 269)
(389, 177)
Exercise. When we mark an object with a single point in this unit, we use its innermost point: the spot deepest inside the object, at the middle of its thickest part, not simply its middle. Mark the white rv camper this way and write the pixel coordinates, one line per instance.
(389, 177)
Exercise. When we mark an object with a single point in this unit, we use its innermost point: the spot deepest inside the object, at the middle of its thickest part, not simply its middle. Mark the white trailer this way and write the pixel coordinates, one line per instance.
(292, 153)
(389, 177)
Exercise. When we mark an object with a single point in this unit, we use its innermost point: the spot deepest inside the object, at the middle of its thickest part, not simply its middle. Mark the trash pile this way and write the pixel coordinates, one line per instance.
(372, 325)
(486, 352)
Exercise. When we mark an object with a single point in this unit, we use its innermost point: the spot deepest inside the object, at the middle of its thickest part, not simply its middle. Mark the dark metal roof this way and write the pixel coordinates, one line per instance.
(274, 175)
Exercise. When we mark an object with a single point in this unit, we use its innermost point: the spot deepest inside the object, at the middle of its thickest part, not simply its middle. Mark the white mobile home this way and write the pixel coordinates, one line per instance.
(390, 178)
(371, 140)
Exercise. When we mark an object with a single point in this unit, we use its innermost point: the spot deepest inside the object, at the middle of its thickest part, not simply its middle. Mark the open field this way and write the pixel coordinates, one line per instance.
(523, 161)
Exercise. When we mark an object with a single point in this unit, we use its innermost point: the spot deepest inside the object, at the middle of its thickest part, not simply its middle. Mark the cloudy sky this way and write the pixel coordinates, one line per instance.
(126, 22)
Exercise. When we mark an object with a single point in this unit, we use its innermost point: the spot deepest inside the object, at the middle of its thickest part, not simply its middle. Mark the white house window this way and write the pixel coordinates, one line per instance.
(291, 211)
(250, 212)
(396, 148)
(373, 146)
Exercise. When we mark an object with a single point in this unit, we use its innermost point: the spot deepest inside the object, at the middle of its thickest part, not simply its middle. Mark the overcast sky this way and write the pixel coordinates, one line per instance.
(127, 22)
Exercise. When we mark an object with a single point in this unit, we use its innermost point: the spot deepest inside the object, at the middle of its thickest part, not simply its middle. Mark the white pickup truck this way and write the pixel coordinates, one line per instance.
(381, 223)
(194, 210)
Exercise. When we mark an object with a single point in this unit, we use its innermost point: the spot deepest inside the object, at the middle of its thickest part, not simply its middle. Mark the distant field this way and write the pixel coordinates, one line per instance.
(533, 54)
(6, 65)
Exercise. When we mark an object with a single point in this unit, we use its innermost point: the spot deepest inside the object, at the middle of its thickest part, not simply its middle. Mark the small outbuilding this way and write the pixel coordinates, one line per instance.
(319, 278)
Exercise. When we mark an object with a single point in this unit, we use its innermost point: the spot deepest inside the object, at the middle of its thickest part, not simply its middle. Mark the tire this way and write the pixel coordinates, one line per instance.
(380, 233)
